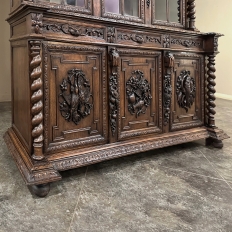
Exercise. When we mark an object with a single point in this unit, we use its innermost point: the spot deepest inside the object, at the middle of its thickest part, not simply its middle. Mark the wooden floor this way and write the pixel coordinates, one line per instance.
(186, 187)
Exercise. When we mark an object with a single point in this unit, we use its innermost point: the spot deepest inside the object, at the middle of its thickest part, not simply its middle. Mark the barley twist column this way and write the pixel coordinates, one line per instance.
(191, 14)
(36, 100)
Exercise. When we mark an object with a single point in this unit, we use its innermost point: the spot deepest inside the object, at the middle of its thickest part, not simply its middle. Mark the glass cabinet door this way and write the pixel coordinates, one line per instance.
(85, 5)
(130, 10)
(166, 12)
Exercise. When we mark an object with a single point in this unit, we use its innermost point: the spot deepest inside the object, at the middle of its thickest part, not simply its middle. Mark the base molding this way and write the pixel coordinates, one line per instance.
(32, 173)
(46, 171)
(223, 96)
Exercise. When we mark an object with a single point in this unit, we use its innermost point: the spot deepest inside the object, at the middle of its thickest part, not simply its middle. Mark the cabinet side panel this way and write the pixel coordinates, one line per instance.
(21, 94)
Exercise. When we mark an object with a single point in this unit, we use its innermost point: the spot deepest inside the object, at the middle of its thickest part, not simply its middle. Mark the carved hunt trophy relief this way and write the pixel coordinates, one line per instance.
(75, 96)
(138, 92)
(185, 90)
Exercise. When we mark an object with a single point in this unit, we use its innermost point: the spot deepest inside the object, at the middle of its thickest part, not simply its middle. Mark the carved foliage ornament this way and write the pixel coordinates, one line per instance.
(75, 96)
(138, 92)
(185, 90)
(113, 86)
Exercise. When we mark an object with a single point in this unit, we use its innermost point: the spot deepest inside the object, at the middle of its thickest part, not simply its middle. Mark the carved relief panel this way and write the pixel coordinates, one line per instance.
(140, 95)
(187, 108)
(75, 96)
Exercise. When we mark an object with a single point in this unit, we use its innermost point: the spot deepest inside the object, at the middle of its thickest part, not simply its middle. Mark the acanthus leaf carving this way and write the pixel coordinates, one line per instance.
(186, 43)
(185, 90)
(75, 96)
(138, 92)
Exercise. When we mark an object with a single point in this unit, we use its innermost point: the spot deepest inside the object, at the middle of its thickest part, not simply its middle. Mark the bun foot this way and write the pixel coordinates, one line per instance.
(214, 142)
(41, 190)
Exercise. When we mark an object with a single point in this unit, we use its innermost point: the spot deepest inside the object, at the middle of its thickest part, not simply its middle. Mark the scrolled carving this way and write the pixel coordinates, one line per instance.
(36, 99)
(75, 96)
(185, 90)
(167, 86)
(37, 23)
(186, 43)
(113, 87)
(138, 92)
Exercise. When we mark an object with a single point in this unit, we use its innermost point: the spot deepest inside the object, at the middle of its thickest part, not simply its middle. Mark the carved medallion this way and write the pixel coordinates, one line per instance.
(75, 96)
(185, 90)
(138, 92)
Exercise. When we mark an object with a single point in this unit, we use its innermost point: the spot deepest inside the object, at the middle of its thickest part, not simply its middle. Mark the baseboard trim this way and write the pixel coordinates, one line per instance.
(5, 97)
(223, 96)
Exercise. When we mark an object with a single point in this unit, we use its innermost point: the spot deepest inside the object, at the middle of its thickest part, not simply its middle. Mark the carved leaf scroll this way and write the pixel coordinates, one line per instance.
(75, 96)
(138, 92)
(185, 90)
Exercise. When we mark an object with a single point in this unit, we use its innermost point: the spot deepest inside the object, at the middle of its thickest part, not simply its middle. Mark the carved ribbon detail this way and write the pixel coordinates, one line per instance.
(169, 65)
(138, 92)
(185, 90)
(37, 100)
(113, 87)
(75, 96)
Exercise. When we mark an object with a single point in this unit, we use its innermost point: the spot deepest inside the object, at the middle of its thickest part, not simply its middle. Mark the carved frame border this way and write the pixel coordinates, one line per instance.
(202, 95)
(80, 142)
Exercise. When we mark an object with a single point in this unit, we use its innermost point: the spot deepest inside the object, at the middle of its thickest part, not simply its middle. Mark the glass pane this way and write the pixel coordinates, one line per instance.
(68, 2)
(131, 7)
(112, 6)
(160, 10)
(71, 2)
(173, 7)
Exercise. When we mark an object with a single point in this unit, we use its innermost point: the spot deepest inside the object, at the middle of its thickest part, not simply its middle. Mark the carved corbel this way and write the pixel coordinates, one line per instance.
(167, 95)
(37, 23)
(113, 87)
(36, 99)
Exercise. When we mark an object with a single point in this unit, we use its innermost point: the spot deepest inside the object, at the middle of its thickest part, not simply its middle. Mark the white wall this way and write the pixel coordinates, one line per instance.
(215, 16)
(5, 77)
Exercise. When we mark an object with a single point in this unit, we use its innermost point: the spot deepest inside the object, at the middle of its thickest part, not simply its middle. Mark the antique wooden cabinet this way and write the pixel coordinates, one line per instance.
(94, 80)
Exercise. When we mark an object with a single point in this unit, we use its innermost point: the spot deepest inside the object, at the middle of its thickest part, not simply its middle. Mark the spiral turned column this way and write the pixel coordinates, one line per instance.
(211, 90)
(36, 100)
(191, 14)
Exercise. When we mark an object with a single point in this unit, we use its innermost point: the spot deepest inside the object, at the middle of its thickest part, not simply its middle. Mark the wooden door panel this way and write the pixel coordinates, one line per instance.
(76, 96)
(188, 91)
(140, 111)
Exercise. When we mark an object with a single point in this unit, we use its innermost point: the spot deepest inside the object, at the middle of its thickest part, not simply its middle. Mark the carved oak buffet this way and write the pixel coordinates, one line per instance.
(96, 80)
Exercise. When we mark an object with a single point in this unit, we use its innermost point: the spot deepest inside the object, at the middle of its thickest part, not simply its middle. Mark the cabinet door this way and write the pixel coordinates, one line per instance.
(188, 91)
(83, 6)
(75, 96)
(140, 95)
(129, 10)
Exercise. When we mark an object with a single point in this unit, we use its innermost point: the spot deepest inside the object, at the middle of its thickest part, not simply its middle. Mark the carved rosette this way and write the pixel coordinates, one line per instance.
(75, 96)
(37, 23)
(211, 90)
(185, 90)
(36, 99)
(191, 14)
(167, 90)
(113, 88)
(138, 93)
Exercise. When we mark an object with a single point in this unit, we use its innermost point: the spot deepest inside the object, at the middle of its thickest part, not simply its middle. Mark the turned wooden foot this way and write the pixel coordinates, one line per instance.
(40, 190)
(214, 142)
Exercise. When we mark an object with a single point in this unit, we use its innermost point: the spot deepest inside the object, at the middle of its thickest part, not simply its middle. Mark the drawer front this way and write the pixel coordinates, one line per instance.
(75, 96)
(140, 95)
(187, 106)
